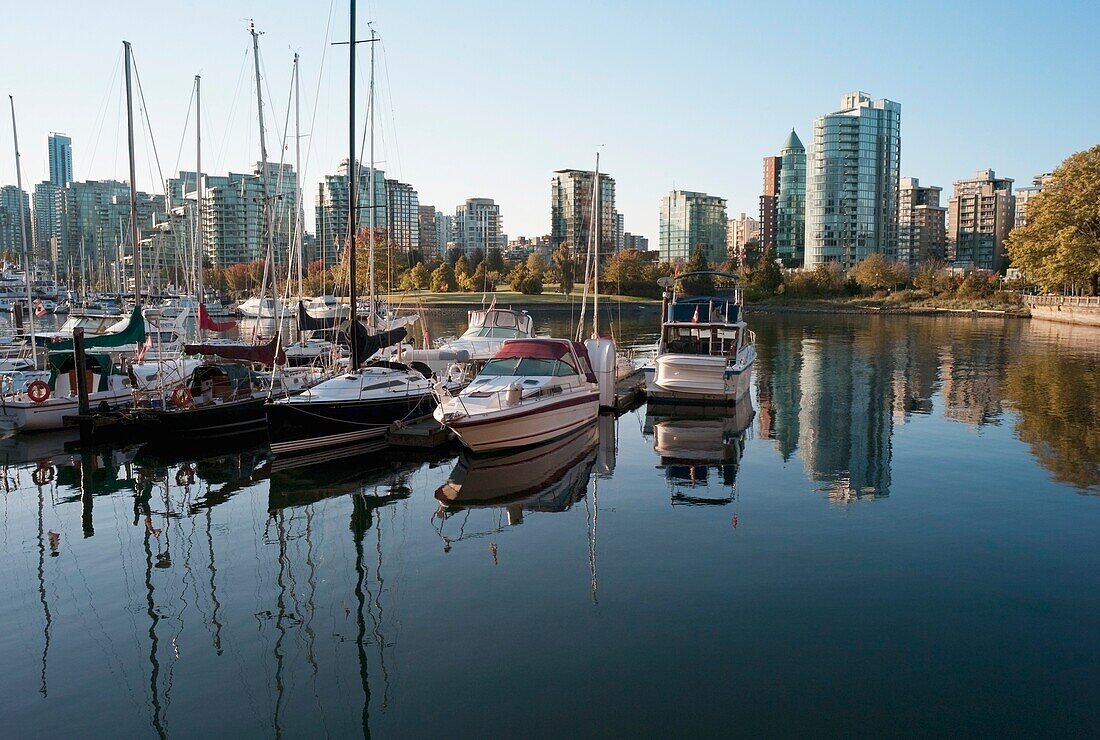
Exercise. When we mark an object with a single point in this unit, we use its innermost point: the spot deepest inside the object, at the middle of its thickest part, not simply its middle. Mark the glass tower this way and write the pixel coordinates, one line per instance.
(61, 159)
(790, 237)
(690, 220)
(853, 175)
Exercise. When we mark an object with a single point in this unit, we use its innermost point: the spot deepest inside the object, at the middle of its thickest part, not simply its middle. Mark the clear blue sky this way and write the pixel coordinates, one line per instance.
(488, 98)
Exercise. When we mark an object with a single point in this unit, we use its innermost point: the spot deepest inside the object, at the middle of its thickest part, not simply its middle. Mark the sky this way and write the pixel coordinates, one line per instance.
(487, 99)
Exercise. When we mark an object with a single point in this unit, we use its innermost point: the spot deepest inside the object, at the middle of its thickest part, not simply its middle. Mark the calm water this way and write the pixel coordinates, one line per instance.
(900, 536)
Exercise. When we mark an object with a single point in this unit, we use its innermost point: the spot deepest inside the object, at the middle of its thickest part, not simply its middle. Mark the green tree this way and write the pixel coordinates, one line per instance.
(443, 279)
(416, 278)
(495, 260)
(876, 272)
(629, 273)
(517, 276)
(536, 265)
(462, 273)
(1059, 247)
(764, 277)
(700, 285)
(566, 265)
(479, 280)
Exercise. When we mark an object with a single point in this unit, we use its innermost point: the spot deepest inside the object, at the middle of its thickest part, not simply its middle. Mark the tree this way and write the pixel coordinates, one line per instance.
(875, 272)
(563, 258)
(536, 265)
(479, 280)
(629, 273)
(516, 277)
(462, 273)
(477, 256)
(443, 279)
(416, 278)
(1059, 247)
(452, 256)
(764, 277)
(703, 284)
(495, 260)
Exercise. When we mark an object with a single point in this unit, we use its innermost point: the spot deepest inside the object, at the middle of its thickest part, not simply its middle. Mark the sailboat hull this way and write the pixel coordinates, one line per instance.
(299, 427)
(207, 422)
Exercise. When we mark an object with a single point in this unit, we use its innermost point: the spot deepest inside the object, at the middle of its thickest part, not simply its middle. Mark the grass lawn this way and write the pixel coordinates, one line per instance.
(504, 298)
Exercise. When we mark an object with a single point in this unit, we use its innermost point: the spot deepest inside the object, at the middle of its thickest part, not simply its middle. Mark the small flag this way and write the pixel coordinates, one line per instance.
(140, 356)
(695, 318)
(493, 303)
(39, 309)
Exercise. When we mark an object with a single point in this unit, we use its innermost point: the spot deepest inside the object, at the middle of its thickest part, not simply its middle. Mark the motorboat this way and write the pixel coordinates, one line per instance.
(328, 308)
(262, 308)
(531, 391)
(44, 404)
(461, 358)
(348, 408)
(706, 351)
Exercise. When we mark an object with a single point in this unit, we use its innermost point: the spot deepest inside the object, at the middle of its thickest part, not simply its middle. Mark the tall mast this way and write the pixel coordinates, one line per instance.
(298, 169)
(353, 171)
(265, 225)
(198, 201)
(23, 231)
(370, 253)
(596, 251)
(134, 231)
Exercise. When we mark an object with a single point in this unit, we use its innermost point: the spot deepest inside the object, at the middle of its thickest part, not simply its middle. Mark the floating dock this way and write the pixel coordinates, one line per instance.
(423, 433)
(629, 392)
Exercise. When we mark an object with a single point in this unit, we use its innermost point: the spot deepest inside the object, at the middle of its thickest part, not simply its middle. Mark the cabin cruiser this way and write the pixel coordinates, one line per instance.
(262, 308)
(531, 391)
(348, 408)
(706, 351)
(328, 308)
(460, 359)
(44, 403)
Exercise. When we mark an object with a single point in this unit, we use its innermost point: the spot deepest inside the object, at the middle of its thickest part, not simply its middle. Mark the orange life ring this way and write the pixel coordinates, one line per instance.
(38, 391)
(181, 397)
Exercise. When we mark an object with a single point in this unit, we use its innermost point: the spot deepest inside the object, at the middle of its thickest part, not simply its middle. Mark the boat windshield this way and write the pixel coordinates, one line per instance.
(495, 332)
(530, 366)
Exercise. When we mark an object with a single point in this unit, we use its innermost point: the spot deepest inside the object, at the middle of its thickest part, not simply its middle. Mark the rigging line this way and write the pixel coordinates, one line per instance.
(183, 136)
(232, 112)
(102, 118)
(393, 115)
(149, 123)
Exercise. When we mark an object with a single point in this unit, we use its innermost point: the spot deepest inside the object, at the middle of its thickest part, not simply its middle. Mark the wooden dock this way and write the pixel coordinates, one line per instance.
(629, 392)
(422, 433)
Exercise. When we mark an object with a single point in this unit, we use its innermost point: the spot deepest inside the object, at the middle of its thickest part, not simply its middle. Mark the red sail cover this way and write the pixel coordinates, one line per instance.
(541, 349)
(209, 324)
(268, 354)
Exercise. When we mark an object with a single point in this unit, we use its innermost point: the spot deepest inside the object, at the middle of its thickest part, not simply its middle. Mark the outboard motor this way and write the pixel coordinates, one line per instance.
(602, 354)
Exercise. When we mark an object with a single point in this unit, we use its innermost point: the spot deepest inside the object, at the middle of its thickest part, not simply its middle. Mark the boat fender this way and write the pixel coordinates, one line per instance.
(181, 397)
(43, 474)
(38, 391)
(513, 395)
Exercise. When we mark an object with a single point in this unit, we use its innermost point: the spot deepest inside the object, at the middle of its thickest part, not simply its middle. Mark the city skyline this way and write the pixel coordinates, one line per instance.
(452, 141)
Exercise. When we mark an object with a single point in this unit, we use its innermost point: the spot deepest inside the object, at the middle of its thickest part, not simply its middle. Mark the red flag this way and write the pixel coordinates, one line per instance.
(209, 324)
(140, 356)
(695, 318)
(39, 309)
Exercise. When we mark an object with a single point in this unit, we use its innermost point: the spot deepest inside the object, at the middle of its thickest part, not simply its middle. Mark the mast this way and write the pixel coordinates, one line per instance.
(298, 169)
(596, 251)
(134, 235)
(370, 253)
(199, 289)
(23, 231)
(265, 225)
(353, 188)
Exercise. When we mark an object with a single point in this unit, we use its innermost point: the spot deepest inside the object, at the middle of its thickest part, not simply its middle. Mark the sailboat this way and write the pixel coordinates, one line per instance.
(362, 403)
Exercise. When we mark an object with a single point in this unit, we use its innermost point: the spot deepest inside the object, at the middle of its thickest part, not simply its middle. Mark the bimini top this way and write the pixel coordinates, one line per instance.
(548, 349)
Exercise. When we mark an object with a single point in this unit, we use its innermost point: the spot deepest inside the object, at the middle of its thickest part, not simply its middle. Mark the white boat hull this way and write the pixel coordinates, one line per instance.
(525, 424)
(27, 416)
(700, 378)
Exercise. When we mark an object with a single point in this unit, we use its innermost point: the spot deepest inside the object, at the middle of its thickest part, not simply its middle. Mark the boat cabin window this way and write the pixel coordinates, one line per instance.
(702, 340)
(527, 366)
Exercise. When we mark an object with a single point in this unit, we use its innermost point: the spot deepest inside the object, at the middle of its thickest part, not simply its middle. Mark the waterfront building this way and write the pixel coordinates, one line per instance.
(61, 159)
(444, 231)
(982, 212)
(331, 213)
(739, 232)
(635, 241)
(921, 223)
(47, 227)
(1023, 195)
(571, 210)
(617, 245)
(402, 217)
(15, 216)
(477, 226)
(769, 201)
(852, 182)
(427, 231)
(790, 209)
(690, 220)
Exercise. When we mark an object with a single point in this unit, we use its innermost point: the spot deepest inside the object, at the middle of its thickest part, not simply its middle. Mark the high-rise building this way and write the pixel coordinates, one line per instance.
(402, 217)
(635, 241)
(331, 214)
(922, 231)
(790, 211)
(1023, 195)
(852, 181)
(477, 226)
(15, 219)
(769, 201)
(617, 246)
(444, 231)
(739, 232)
(48, 227)
(61, 159)
(571, 210)
(691, 220)
(427, 231)
(982, 212)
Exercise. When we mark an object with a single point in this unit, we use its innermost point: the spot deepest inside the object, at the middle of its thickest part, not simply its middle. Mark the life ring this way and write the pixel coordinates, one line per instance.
(181, 397)
(185, 476)
(43, 474)
(38, 391)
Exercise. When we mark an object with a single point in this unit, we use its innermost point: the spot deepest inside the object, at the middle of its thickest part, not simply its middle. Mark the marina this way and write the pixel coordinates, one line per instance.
(832, 538)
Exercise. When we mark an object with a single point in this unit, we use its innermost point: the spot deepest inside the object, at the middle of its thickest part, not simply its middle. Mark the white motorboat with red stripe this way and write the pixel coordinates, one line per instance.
(531, 391)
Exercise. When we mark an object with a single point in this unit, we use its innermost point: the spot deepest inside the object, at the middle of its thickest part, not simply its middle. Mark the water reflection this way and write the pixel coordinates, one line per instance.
(692, 442)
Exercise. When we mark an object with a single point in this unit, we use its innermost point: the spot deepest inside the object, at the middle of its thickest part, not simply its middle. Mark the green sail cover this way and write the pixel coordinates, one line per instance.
(132, 333)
